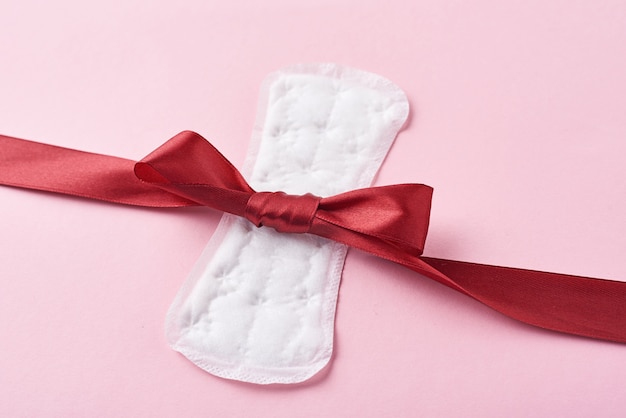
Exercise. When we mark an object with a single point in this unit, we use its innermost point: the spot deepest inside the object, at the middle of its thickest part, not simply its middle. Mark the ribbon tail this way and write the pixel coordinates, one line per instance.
(588, 307)
(33, 165)
(582, 306)
(576, 305)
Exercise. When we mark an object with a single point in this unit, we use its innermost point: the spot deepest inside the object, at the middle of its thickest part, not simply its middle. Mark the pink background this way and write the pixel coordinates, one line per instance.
(518, 122)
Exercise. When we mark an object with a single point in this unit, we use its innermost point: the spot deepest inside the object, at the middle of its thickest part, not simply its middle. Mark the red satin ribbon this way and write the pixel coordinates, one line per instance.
(390, 222)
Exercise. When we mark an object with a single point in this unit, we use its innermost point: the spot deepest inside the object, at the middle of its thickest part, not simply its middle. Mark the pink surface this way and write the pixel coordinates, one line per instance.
(517, 122)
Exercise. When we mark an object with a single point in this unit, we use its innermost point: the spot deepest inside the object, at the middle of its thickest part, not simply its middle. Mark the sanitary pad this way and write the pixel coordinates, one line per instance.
(259, 306)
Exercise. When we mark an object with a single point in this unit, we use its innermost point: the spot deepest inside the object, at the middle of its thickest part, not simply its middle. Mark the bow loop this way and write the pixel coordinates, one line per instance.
(394, 217)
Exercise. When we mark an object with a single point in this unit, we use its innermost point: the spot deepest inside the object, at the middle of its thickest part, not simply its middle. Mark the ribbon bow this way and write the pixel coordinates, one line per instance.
(384, 220)
(390, 222)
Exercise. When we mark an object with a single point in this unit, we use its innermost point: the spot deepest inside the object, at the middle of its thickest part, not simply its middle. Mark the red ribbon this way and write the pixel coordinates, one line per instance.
(390, 222)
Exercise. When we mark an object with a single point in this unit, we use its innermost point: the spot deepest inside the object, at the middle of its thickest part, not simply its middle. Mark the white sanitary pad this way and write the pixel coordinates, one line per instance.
(259, 305)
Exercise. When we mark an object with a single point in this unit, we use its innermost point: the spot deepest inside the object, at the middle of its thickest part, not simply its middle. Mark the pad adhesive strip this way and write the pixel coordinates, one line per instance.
(259, 306)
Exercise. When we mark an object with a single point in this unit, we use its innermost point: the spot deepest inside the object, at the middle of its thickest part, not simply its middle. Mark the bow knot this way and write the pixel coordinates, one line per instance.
(281, 211)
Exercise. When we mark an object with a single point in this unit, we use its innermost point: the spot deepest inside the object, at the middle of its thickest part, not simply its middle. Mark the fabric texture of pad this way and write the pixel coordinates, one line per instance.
(259, 306)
